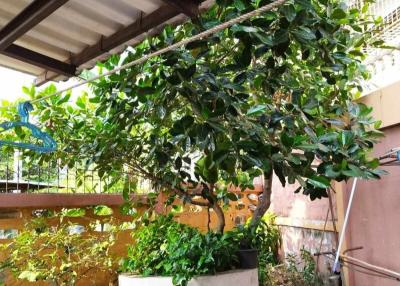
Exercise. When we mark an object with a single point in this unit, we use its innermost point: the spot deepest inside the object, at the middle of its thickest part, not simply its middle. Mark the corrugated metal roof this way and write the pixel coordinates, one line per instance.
(78, 25)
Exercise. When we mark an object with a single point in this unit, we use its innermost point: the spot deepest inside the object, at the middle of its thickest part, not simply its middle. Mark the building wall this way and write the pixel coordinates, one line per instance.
(374, 221)
(302, 222)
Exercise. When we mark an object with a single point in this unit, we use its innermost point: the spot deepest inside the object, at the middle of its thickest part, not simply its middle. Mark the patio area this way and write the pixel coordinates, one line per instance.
(169, 142)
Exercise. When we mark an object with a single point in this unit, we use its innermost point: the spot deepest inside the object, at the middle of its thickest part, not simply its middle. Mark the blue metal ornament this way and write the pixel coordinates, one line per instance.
(48, 143)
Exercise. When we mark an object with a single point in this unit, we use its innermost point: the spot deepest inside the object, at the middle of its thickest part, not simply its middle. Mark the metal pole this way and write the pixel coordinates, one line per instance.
(346, 218)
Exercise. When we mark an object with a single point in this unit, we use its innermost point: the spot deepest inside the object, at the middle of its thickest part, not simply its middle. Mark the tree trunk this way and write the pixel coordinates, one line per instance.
(265, 202)
(212, 198)
(220, 216)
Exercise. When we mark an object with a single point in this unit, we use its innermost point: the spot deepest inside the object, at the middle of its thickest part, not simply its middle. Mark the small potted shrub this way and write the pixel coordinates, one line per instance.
(258, 245)
(247, 253)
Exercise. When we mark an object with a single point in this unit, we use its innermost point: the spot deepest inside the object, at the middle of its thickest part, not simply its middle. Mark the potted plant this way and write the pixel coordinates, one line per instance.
(258, 244)
(247, 253)
(165, 251)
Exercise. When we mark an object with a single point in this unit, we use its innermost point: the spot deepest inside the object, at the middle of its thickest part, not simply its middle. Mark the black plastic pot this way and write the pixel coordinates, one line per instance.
(248, 258)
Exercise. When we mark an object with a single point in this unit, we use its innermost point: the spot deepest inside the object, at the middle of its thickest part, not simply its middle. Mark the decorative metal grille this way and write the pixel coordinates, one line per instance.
(383, 62)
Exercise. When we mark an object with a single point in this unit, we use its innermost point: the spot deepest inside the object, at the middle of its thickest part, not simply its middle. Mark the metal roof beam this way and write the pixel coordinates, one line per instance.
(139, 27)
(37, 59)
(187, 7)
(32, 15)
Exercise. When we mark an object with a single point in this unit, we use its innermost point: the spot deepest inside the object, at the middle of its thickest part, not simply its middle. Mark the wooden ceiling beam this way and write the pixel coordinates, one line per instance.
(37, 59)
(187, 7)
(32, 15)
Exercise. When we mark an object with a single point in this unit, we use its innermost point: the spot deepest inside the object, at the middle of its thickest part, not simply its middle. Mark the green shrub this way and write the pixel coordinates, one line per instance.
(166, 248)
(55, 254)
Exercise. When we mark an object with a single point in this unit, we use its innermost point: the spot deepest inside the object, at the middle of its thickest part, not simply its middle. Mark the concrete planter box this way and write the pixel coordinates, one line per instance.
(248, 277)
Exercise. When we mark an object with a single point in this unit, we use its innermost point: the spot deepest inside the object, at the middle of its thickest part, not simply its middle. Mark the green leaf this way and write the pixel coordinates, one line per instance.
(347, 138)
(64, 99)
(287, 140)
(281, 36)
(244, 58)
(353, 172)
(256, 110)
(290, 12)
(239, 5)
(338, 14)
(304, 34)
(319, 182)
(80, 103)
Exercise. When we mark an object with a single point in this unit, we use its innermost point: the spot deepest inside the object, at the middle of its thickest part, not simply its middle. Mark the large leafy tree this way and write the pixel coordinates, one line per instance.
(272, 95)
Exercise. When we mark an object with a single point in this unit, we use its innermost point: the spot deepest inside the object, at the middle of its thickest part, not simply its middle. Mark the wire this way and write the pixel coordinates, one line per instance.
(322, 239)
(179, 44)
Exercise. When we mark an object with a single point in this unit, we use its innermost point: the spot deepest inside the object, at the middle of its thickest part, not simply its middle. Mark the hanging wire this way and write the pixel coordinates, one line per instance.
(172, 47)
(322, 239)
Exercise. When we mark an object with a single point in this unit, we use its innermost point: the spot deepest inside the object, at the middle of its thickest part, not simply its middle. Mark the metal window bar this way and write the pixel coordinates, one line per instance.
(58, 175)
(52, 177)
(39, 178)
(29, 177)
(76, 179)
(7, 171)
(67, 180)
(17, 159)
(48, 177)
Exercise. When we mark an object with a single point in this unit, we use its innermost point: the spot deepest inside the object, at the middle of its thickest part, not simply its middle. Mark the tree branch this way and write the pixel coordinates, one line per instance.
(181, 193)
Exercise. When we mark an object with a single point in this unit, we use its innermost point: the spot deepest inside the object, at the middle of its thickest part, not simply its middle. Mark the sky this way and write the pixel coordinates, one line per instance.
(11, 83)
